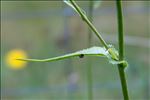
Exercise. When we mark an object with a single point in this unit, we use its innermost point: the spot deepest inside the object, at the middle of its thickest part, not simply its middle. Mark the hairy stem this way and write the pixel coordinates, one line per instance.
(83, 16)
(121, 50)
(89, 69)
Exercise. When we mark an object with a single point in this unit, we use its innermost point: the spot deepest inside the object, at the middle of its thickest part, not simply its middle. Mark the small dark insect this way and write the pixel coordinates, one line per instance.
(81, 56)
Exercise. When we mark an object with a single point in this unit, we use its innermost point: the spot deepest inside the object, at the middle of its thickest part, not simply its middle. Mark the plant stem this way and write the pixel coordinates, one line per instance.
(89, 69)
(83, 16)
(121, 50)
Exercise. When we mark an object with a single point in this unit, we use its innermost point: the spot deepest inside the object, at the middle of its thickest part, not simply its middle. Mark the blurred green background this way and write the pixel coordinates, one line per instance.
(46, 29)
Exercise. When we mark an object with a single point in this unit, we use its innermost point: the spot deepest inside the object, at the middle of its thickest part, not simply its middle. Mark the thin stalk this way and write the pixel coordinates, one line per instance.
(121, 50)
(83, 16)
(89, 66)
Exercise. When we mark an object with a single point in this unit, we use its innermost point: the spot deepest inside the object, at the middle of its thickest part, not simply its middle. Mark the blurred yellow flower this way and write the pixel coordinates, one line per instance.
(13, 55)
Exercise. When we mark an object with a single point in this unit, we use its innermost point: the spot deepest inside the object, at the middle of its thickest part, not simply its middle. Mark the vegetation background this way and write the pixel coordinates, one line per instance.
(45, 29)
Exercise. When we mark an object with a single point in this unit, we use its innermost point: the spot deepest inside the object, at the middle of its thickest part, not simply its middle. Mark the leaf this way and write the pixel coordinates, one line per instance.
(93, 51)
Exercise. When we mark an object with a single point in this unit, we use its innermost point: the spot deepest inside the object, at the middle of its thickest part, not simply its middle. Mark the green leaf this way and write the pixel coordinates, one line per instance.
(93, 51)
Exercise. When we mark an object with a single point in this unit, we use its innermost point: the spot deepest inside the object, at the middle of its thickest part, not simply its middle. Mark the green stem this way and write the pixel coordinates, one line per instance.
(83, 16)
(121, 50)
(89, 69)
